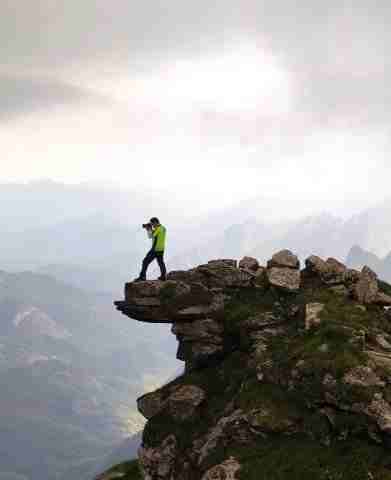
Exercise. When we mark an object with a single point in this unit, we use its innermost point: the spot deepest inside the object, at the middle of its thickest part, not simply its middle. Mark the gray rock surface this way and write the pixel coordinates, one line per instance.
(284, 278)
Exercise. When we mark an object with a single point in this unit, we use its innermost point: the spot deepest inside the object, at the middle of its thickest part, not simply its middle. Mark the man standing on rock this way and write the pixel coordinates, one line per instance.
(157, 233)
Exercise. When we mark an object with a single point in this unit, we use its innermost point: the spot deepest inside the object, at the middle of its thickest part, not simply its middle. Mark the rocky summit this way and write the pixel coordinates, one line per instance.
(287, 373)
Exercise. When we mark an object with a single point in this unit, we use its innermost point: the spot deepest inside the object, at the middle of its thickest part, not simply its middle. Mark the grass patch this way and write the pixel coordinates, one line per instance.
(299, 458)
(221, 384)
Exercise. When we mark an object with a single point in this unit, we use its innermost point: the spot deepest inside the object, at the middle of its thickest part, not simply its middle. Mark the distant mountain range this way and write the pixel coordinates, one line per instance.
(359, 257)
(92, 236)
(70, 370)
(324, 235)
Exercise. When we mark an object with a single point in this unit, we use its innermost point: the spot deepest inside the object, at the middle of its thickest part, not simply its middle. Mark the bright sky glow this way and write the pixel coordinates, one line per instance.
(211, 130)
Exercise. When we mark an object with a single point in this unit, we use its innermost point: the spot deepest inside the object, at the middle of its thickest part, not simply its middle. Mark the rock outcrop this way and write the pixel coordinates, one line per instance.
(287, 372)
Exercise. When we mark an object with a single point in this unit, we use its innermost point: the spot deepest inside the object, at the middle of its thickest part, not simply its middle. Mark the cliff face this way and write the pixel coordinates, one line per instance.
(288, 372)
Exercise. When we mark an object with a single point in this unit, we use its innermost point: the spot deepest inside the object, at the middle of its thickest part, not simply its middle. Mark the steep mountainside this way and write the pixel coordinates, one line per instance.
(287, 373)
(69, 369)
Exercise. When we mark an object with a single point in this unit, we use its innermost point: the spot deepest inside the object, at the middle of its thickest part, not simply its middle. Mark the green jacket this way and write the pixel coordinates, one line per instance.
(159, 239)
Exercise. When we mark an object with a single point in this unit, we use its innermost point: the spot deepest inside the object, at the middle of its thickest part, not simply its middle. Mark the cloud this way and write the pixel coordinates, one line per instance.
(225, 98)
(22, 94)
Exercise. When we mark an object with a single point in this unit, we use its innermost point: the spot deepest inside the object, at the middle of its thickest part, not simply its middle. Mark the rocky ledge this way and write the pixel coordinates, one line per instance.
(288, 372)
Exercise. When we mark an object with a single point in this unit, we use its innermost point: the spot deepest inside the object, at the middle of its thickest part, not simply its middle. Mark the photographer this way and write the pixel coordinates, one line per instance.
(157, 233)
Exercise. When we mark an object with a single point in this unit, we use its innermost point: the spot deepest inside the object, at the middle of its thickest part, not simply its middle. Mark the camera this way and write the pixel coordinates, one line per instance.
(148, 226)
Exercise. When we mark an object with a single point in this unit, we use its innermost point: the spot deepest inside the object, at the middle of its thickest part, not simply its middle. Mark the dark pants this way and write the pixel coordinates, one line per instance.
(149, 258)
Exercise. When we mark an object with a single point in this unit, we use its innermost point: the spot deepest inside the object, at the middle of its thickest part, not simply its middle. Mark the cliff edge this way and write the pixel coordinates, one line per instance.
(287, 373)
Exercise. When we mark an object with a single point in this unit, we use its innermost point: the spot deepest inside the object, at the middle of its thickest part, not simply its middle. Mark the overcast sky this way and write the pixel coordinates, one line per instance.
(213, 101)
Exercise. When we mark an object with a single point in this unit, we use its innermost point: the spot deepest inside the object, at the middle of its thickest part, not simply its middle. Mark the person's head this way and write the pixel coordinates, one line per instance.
(155, 222)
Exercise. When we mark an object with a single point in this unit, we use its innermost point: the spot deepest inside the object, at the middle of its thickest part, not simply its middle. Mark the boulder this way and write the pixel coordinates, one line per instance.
(366, 289)
(383, 300)
(330, 272)
(316, 265)
(351, 277)
(249, 263)
(286, 279)
(363, 376)
(184, 401)
(187, 276)
(284, 259)
(167, 302)
(225, 261)
(151, 404)
(207, 330)
(335, 273)
(154, 289)
(159, 462)
(382, 342)
(225, 471)
(180, 402)
(312, 315)
(380, 411)
(223, 274)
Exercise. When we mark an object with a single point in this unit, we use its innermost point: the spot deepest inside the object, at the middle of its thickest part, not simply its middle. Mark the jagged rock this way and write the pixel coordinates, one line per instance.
(312, 314)
(153, 288)
(193, 313)
(223, 262)
(225, 471)
(181, 402)
(330, 272)
(316, 265)
(261, 321)
(146, 302)
(284, 259)
(382, 300)
(187, 276)
(159, 463)
(351, 277)
(380, 411)
(199, 354)
(151, 404)
(335, 273)
(208, 331)
(382, 342)
(284, 278)
(380, 359)
(205, 445)
(199, 341)
(224, 273)
(184, 401)
(166, 302)
(366, 289)
(249, 263)
(363, 376)
(335, 267)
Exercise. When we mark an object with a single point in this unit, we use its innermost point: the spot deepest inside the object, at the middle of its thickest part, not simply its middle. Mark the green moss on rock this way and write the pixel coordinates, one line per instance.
(299, 458)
